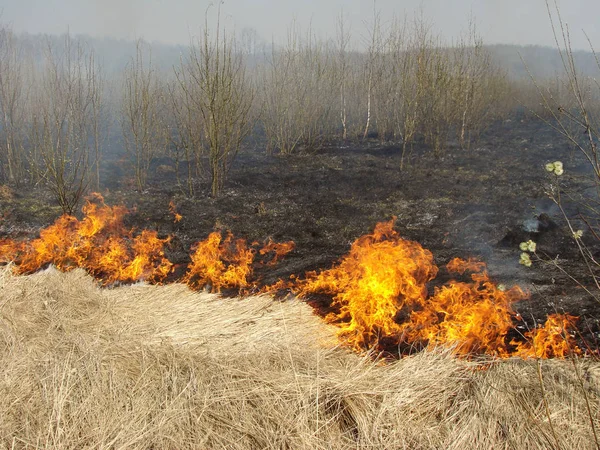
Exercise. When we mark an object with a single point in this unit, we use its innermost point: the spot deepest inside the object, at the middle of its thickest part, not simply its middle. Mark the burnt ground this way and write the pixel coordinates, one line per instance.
(481, 202)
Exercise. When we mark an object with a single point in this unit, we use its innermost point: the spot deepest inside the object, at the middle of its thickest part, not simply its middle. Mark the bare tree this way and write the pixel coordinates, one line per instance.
(12, 109)
(63, 120)
(142, 125)
(214, 83)
(343, 38)
(477, 87)
(282, 96)
(96, 81)
(185, 128)
(389, 87)
(298, 90)
(371, 69)
(409, 117)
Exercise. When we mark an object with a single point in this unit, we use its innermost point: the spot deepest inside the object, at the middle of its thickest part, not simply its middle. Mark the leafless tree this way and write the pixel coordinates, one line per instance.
(63, 120)
(215, 86)
(185, 129)
(12, 109)
(142, 124)
(99, 117)
(372, 65)
(299, 90)
(343, 38)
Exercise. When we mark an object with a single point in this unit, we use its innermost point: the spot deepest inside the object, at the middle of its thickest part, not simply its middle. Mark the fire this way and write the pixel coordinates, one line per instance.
(220, 263)
(9, 250)
(173, 210)
(472, 317)
(280, 249)
(381, 275)
(380, 292)
(99, 243)
(102, 245)
(552, 340)
(461, 266)
(229, 263)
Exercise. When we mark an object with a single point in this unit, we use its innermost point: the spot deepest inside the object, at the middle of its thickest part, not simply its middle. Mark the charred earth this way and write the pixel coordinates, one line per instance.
(480, 203)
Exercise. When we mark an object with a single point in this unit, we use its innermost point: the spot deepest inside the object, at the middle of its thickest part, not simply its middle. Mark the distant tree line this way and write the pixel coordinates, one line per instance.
(62, 112)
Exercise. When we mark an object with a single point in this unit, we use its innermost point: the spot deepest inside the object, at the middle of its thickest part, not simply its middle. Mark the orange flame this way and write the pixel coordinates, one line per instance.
(9, 250)
(472, 317)
(460, 266)
(552, 340)
(102, 245)
(227, 263)
(280, 249)
(173, 210)
(381, 275)
(220, 263)
(380, 290)
(98, 243)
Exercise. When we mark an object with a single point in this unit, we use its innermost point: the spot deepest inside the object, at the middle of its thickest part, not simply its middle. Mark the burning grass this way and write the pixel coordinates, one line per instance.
(379, 290)
(163, 367)
(101, 244)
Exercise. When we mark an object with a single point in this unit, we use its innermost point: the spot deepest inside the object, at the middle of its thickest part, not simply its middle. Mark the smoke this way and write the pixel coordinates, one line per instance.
(510, 21)
(118, 18)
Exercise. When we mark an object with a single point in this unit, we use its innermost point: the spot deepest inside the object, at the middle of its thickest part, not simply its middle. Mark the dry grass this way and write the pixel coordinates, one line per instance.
(161, 367)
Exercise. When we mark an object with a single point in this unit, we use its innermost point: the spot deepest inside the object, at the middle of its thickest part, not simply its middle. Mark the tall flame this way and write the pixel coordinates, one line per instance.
(380, 291)
(381, 275)
(220, 263)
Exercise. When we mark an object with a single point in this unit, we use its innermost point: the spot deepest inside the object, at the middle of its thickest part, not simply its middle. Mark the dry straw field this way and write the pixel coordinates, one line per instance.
(162, 367)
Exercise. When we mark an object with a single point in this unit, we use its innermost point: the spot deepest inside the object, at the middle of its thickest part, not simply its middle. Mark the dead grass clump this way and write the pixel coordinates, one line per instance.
(6, 193)
(162, 367)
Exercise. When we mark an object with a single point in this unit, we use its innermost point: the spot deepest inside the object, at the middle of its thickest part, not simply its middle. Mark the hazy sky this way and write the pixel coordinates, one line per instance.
(174, 21)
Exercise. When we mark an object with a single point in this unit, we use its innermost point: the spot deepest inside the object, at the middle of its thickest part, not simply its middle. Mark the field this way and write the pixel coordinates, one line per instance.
(301, 244)
(160, 367)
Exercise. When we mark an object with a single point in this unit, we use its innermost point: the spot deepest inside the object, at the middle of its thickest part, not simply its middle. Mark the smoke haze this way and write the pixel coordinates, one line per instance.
(175, 21)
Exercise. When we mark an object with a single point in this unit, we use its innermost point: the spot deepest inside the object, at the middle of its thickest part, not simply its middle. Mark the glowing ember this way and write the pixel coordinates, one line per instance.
(173, 210)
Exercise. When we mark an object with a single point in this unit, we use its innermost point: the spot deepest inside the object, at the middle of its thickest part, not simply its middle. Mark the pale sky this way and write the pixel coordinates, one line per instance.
(174, 21)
